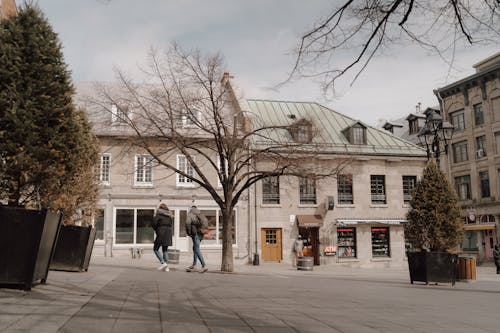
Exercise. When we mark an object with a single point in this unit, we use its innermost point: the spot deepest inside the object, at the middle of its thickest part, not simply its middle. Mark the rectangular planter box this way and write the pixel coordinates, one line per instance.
(73, 249)
(27, 242)
(432, 267)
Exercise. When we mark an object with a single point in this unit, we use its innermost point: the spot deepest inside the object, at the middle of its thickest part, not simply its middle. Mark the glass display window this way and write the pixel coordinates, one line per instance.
(347, 242)
(133, 226)
(380, 242)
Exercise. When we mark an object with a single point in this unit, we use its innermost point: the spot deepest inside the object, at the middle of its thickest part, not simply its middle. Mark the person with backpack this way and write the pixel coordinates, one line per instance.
(196, 224)
(162, 225)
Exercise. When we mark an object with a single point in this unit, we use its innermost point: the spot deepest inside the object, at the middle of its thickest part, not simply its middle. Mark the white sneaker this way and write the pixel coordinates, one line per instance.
(162, 267)
(166, 269)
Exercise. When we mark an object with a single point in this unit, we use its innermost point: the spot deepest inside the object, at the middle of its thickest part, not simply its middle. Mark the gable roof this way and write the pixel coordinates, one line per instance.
(329, 125)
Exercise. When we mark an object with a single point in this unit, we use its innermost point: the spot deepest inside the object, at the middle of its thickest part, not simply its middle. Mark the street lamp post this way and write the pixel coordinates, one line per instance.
(433, 133)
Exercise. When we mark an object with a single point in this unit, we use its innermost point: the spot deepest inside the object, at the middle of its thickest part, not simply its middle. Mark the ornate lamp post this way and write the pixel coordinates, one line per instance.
(433, 133)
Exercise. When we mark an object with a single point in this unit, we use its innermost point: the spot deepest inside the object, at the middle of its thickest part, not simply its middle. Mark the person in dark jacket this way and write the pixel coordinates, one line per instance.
(196, 224)
(496, 257)
(162, 225)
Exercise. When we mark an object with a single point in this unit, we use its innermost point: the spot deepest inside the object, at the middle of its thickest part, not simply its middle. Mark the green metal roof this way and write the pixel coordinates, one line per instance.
(328, 126)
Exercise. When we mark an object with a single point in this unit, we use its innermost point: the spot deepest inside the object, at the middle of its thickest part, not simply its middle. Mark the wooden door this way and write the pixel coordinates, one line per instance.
(271, 244)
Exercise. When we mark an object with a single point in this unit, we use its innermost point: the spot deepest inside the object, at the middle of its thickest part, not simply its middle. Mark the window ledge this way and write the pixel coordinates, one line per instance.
(142, 186)
(346, 206)
(379, 206)
(308, 205)
(264, 205)
(344, 259)
(384, 259)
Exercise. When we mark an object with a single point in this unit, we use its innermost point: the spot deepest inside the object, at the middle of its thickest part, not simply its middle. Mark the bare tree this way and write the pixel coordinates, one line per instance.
(357, 30)
(188, 106)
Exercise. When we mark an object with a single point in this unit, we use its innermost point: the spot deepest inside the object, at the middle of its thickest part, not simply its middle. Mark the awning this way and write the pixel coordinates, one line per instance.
(370, 221)
(309, 221)
(479, 226)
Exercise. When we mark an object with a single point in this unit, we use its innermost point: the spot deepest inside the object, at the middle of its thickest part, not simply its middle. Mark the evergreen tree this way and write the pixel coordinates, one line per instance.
(434, 218)
(42, 136)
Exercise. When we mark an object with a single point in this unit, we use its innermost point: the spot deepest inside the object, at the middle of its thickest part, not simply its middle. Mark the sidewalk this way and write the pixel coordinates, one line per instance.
(121, 294)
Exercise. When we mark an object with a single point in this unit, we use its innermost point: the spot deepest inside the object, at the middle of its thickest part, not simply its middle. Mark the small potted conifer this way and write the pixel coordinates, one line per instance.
(434, 229)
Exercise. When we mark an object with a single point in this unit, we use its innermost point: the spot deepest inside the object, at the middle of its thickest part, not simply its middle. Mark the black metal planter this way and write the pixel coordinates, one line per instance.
(73, 249)
(432, 267)
(27, 242)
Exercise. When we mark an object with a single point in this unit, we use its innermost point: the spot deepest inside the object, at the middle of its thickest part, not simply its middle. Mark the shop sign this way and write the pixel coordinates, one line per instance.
(345, 229)
(330, 250)
(380, 230)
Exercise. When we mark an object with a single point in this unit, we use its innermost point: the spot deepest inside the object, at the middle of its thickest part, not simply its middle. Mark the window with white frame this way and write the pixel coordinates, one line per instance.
(119, 114)
(307, 190)
(271, 190)
(186, 167)
(191, 118)
(143, 170)
(344, 189)
(103, 169)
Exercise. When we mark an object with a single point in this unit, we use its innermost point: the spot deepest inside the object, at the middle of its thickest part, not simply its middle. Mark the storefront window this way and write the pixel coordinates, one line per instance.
(380, 242)
(211, 236)
(347, 242)
(214, 219)
(133, 226)
(469, 242)
(233, 224)
(124, 226)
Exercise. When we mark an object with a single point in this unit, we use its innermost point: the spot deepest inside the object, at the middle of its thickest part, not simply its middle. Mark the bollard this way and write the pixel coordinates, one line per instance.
(132, 252)
(139, 253)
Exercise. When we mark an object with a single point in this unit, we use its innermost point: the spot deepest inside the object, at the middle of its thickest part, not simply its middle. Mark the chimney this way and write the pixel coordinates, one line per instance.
(8, 9)
(417, 108)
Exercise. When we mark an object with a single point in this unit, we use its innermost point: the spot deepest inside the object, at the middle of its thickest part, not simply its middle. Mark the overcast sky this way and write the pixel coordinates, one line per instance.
(256, 38)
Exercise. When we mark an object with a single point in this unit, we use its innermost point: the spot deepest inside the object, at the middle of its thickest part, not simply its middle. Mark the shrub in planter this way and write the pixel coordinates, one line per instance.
(45, 142)
(434, 228)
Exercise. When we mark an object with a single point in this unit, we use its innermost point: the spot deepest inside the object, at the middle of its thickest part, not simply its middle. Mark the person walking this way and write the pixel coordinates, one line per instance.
(298, 246)
(162, 225)
(195, 227)
(496, 257)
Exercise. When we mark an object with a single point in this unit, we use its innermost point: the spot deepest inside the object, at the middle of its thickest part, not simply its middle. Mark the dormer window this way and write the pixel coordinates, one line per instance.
(413, 126)
(119, 114)
(356, 134)
(191, 118)
(301, 131)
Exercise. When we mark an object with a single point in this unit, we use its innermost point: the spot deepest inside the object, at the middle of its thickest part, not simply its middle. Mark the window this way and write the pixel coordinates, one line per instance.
(481, 146)
(103, 172)
(119, 114)
(184, 166)
(344, 189)
(484, 180)
(307, 189)
(495, 108)
(409, 183)
(380, 242)
(271, 190)
(99, 224)
(347, 242)
(377, 183)
(143, 170)
(214, 218)
(462, 186)
(470, 241)
(133, 226)
(497, 142)
(460, 152)
(458, 120)
(191, 118)
(478, 114)
(358, 135)
(413, 126)
(301, 131)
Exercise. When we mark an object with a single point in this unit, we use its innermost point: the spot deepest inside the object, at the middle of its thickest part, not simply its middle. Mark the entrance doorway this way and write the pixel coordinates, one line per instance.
(489, 242)
(310, 235)
(271, 244)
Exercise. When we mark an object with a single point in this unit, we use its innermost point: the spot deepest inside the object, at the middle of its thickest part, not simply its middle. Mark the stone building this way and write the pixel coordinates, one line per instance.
(354, 219)
(472, 105)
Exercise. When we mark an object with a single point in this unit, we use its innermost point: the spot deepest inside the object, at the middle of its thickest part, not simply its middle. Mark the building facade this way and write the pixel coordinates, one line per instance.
(472, 105)
(355, 218)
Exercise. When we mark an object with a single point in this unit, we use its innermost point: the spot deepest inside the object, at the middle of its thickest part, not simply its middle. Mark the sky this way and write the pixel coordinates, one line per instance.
(257, 39)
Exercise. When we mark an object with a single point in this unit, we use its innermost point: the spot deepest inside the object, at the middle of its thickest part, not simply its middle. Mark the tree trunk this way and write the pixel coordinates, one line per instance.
(227, 264)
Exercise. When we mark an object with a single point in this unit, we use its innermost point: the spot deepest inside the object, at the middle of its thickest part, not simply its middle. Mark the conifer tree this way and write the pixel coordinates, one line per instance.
(434, 218)
(43, 139)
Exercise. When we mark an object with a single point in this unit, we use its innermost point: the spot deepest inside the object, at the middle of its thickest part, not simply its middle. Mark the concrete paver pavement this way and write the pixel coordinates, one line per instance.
(124, 295)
